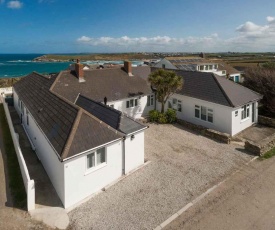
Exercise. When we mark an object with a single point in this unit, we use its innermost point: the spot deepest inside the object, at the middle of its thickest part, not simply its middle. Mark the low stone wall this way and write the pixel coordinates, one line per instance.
(262, 147)
(266, 121)
(213, 134)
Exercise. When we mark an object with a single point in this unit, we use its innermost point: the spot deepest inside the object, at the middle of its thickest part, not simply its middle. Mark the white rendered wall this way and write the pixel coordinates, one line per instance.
(221, 114)
(44, 152)
(141, 110)
(81, 183)
(134, 151)
(219, 72)
(28, 183)
(238, 124)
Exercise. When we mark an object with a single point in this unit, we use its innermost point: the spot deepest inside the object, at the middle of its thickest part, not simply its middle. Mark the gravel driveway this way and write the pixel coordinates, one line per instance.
(183, 165)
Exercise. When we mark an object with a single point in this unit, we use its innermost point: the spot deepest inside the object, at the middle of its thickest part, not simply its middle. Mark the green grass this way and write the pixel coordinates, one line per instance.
(16, 183)
(269, 154)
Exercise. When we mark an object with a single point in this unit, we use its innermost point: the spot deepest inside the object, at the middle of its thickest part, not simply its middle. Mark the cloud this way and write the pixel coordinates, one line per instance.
(14, 4)
(147, 43)
(270, 19)
(248, 37)
(250, 27)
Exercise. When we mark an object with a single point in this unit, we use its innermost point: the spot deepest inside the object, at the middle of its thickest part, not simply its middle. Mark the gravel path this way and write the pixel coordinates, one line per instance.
(183, 165)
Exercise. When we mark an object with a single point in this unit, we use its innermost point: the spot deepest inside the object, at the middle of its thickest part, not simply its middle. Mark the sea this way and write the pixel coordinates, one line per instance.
(18, 65)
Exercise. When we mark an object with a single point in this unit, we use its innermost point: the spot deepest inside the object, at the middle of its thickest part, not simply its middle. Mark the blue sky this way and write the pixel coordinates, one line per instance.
(58, 26)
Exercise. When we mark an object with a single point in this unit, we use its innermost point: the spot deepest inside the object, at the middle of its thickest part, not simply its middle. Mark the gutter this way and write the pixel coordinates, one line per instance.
(89, 150)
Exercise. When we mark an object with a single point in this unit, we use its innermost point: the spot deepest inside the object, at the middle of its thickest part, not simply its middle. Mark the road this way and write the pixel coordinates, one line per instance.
(246, 201)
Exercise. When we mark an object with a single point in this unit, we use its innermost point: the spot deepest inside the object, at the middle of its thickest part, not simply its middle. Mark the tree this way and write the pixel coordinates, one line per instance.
(262, 80)
(166, 83)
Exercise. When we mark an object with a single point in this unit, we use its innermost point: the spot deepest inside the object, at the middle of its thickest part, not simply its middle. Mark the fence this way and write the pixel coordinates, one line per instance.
(29, 184)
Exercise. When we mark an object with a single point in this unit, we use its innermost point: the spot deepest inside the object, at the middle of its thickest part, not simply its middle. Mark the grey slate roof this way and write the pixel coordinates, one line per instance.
(115, 84)
(110, 116)
(90, 133)
(66, 126)
(214, 88)
(54, 116)
(237, 94)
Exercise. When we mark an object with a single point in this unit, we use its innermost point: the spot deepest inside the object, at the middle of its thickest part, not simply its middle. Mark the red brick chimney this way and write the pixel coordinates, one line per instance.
(79, 71)
(128, 68)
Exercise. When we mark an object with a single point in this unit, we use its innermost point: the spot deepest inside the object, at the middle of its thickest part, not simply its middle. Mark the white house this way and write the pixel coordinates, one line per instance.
(83, 144)
(214, 102)
(201, 65)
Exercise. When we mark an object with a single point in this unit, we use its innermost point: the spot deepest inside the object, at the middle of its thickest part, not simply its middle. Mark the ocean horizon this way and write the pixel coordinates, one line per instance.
(19, 65)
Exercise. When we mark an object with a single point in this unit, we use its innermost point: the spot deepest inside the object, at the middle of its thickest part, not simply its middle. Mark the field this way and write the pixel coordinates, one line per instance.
(244, 59)
(93, 57)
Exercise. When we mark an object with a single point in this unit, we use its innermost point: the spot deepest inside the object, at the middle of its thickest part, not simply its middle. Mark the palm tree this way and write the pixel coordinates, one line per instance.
(166, 83)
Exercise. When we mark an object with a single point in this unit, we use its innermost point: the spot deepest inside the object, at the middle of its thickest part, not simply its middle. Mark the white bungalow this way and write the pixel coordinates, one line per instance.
(83, 144)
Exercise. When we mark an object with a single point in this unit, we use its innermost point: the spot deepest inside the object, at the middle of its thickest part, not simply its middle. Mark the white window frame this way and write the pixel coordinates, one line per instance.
(131, 103)
(175, 104)
(209, 112)
(96, 164)
(150, 100)
(245, 112)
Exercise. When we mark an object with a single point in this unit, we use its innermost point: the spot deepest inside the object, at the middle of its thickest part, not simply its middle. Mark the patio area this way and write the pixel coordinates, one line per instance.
(256, 133)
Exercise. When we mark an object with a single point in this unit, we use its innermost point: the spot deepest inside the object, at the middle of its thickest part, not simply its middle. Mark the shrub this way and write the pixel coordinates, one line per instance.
(154, 115)
(171, 115)
(162, 118)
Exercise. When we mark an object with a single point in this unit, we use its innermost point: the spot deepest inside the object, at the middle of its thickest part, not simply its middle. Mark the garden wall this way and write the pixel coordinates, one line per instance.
(262, 147)
(29, 184)
(266, 121)
(213, 134)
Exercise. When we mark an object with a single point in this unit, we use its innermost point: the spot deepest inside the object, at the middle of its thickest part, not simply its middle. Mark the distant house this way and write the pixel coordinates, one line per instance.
(214, 102)
(201, 65)
(82, 143)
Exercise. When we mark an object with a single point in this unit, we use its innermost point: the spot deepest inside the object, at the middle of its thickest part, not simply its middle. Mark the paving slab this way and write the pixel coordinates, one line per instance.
(256, 133)
(53, 217)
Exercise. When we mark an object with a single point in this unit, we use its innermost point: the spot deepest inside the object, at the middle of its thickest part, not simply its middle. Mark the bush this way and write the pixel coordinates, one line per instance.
(162, 118)
(171, 115)
(154, 115)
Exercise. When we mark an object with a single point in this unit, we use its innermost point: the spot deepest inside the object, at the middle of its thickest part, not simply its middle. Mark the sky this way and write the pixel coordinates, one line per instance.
(74, 26)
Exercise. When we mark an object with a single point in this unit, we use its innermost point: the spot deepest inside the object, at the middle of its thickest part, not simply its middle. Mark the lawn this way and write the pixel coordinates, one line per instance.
(16, 183)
